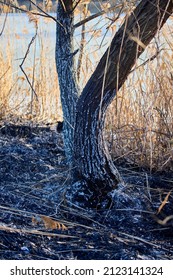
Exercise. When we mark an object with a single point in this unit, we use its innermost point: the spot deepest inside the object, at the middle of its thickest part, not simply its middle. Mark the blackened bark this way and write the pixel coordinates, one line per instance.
(92, 159)
(66, 72)
(84, 117)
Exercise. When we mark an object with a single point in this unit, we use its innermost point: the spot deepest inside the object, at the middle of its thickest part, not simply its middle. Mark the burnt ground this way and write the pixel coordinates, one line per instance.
(40, 220)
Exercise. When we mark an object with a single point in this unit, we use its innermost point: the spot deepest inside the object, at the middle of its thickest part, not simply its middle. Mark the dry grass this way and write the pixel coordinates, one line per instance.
(139, 125)
(17, 97)
(141, 117)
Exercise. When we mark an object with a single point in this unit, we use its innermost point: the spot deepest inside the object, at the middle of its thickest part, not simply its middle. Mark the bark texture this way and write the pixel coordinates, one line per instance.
(66, 72)
(84, 117)
(92, 159)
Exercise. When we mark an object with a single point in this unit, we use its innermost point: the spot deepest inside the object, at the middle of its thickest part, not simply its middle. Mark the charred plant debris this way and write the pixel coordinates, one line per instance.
(44, 216)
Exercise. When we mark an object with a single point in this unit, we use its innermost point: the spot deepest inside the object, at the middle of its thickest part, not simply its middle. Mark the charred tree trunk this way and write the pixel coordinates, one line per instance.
(84, 142)
(91, 156)
(66, 72)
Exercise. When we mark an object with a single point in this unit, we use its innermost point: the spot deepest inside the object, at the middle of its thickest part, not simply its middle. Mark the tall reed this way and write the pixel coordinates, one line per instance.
(139, 123)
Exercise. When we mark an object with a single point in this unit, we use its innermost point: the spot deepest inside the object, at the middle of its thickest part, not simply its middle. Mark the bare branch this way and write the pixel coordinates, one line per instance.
(75, 6)
(5, 73)
(41, 10)
(148, 60)
(20, 9)
(112, 22)
(82, 45)
(43, 14)
(97, 15)
(3, 27)
(26, 54)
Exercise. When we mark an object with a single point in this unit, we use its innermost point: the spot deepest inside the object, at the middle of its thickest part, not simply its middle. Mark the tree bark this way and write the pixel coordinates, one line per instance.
(84, 117)
(66, 72)
(92, 159)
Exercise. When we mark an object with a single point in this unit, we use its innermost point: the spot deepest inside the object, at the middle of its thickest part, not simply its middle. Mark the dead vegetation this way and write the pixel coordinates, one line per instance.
(37, 221)
(139, 123)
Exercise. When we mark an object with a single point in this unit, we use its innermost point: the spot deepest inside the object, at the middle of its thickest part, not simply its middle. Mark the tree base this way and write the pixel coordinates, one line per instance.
(85, 196)
(82, 195)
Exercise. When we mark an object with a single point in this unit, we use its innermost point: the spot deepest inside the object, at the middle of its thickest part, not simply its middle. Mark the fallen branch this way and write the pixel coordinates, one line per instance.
(33, 231)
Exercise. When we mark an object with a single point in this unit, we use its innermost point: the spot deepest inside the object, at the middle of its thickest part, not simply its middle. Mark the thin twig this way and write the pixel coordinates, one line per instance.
(112, 21)
(141, 240)
(82, 46)
(26, 54)
(33, 78)
(43, 14)
(75, 6)
(3, 27)
(148, 60)
(78, 24)
(37, 232)
(5, 72)
(41, 10)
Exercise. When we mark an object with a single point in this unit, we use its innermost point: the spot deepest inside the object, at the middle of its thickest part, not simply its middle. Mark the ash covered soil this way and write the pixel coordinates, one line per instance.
(38, 221)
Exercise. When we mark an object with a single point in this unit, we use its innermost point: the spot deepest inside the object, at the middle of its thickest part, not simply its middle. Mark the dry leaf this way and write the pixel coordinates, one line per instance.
(97, 33)
(17, 36)
(48, 222)
(6, 9)
(105, 6)
(135, 38)
(22, 78)
(32, 18)
(164, 202)
(113, 29)
(47, 20)
(25, 31)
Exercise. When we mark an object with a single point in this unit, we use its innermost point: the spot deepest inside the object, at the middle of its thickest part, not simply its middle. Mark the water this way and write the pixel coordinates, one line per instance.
(19, 31)
(14, 42)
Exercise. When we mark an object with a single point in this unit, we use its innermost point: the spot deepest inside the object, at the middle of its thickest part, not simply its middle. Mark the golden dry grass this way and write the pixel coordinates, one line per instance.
(141, 117)
(139, 124)
(17, 97)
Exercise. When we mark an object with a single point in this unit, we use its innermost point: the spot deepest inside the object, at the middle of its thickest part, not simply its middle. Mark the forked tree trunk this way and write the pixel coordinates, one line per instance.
(91, 157)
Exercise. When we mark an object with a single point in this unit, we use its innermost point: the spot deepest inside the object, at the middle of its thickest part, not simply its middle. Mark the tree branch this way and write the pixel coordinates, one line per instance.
(3, 27)
(91, 156)
(44, 14)
(26, 54)
(97, 15)
(75, 6)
